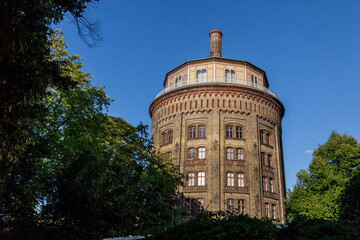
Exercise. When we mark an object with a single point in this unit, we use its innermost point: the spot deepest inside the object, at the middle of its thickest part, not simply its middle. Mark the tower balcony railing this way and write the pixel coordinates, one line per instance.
(204, 81)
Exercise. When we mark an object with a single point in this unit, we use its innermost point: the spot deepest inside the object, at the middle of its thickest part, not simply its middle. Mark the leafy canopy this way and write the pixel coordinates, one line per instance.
(87, 175)
(318, 189)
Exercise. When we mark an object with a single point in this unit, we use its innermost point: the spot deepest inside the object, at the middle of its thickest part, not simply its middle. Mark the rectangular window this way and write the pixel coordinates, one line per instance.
(170, 136)
(164, 139)
(239, 154)
(201, 152)
(241, 206)
(202, 130)
(267, 138)
(230, 205)
(200, 205)
(189, 203)
(264, 181)
(263, 158)
(201, 179)
(271, 185)
(261, 137)
(230, 179)
(192, 132)
(191, 179)
(273, 211)
(267, 210)
(269, 160)
(239, 133)
(229, 131)
(191, 153)
(240, 180)
(229, 153)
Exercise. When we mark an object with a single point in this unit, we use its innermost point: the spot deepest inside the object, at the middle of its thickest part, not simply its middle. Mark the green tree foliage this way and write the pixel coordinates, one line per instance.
(224, 225)
(318, 189)
(315, 229)
(220, 225)
(350, 200)
(89, 175)
(26, 73)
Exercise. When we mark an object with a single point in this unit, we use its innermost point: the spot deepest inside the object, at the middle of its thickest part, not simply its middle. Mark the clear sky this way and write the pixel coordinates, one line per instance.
(309, 49)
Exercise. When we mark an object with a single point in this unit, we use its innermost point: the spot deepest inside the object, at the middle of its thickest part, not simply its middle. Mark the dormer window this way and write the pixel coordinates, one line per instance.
(229, 75)
(254, 81)
(178, 81)
(201, 76)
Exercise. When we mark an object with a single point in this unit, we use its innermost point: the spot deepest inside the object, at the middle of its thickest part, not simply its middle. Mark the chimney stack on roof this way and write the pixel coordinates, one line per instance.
(215, 43)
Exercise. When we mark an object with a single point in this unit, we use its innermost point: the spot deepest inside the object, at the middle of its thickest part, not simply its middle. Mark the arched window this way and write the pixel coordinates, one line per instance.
(254, 81)
(201, 76)
(229, 76)
(178, 81)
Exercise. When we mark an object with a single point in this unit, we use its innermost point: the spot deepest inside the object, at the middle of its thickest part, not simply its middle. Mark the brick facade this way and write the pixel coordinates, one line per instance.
(253, 150)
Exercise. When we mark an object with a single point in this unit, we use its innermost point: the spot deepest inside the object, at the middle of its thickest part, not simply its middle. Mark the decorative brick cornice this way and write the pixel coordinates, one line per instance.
(227, 89)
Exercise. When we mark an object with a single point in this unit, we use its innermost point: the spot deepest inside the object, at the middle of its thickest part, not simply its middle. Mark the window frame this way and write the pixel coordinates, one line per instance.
(273, 211)
(271, 185)
(242, 206)
(240, 179)
(230, 153)
(193, 153)
(241, 154)
(199, 153)
(167, 137)
(201, 178)
(230, 75)
(234, 131)
(264, 183)
(201, 75)
(192, 132)
(201, 133)
(230, 207)
(191, 179)
(230, 179)
(267, 210)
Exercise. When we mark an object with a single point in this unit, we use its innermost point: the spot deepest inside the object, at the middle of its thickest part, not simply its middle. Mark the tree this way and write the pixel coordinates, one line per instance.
(318, 189)
(220, 225)
(350, 200)
(26, 72)
(89, 175)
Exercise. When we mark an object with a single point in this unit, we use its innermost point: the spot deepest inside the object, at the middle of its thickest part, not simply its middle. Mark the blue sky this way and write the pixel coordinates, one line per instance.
(310, 51)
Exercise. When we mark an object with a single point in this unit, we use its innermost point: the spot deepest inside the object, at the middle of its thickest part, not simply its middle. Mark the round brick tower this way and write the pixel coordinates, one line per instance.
(221, 124)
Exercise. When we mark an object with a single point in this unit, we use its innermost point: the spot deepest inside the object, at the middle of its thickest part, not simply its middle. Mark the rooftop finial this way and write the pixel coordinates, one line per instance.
(215, 43)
